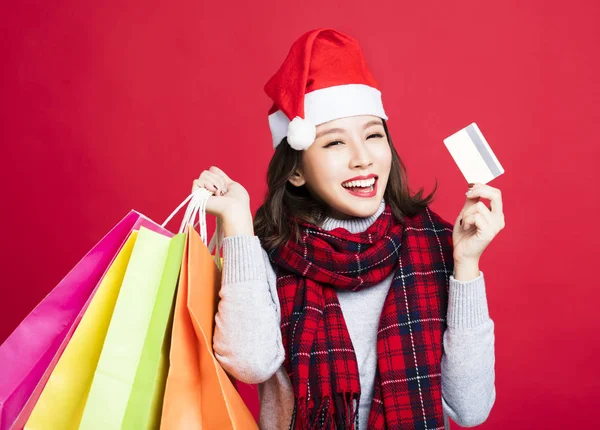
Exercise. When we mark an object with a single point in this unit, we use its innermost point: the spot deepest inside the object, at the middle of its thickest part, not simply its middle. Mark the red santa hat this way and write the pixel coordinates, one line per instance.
(323, 78)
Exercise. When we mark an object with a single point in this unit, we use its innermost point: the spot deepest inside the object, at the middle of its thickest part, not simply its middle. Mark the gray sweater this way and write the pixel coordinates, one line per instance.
(247, 338)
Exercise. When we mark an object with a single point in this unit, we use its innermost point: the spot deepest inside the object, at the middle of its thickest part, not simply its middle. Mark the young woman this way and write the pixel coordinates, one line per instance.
(347, 299)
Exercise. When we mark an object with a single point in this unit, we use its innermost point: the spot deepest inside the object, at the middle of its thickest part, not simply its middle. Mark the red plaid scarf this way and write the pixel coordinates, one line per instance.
(320, 359)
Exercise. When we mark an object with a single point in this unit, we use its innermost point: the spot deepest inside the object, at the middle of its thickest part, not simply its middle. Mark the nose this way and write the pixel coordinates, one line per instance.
(361, 156)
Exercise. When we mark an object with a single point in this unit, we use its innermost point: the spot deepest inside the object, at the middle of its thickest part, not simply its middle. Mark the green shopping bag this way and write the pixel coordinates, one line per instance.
(145, 403)
(128, 383)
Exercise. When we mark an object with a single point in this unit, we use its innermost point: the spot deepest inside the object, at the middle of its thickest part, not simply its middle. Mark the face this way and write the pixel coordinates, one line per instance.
(345, 149)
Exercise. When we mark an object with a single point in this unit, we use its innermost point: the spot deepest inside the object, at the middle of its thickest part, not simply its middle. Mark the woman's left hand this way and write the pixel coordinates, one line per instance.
(476, 224)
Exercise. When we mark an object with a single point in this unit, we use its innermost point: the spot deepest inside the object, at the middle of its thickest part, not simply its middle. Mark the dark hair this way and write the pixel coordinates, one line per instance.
(282, 199)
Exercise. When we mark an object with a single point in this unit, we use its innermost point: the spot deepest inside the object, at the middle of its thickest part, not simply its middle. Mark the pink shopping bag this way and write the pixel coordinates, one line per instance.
(30, 353)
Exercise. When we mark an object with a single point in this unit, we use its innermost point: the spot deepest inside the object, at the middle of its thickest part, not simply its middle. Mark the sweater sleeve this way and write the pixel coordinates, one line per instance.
(247, 338)
(468, 390)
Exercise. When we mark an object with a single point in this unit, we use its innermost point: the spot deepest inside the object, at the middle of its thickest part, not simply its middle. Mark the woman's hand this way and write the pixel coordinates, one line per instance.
(477, 225)
(230, 201)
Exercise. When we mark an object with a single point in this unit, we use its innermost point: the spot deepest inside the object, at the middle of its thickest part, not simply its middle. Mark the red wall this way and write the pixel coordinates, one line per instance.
(106, 107)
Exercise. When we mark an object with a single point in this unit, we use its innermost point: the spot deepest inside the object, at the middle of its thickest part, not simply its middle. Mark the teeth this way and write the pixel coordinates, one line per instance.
(363, 184)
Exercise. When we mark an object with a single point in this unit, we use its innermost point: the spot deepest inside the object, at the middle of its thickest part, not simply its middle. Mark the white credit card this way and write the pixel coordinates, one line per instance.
(473, 155)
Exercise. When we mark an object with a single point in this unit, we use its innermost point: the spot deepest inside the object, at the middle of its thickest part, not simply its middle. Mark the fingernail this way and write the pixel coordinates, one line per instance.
(468, 192)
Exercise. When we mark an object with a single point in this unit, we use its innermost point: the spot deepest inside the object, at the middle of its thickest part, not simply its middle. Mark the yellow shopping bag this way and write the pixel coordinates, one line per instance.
(62, 401)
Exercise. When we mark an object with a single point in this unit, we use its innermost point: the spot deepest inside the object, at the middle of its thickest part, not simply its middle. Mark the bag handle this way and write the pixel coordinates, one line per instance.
(197, 208)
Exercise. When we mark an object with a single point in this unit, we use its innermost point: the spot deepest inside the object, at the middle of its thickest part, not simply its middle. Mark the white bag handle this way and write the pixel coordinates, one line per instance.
(197, 208)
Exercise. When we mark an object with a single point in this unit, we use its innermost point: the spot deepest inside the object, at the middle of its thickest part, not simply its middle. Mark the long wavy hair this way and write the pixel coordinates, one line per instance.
(282, 199)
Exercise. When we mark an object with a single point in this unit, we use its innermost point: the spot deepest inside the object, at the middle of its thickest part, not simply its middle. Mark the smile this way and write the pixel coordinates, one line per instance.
(362, 188)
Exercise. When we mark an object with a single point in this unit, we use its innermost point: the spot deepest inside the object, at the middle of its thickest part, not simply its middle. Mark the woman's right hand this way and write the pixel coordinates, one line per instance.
(229, 197)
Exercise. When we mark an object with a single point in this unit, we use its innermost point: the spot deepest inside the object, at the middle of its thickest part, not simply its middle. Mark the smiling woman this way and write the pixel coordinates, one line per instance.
(313, 184)
(344, 276)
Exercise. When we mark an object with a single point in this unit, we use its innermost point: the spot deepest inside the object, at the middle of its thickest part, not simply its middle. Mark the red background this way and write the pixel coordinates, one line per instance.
(109, 106)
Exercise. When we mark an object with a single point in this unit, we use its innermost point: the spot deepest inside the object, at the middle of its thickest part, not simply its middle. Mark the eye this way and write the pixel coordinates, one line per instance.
(332, 143)
(377, 135)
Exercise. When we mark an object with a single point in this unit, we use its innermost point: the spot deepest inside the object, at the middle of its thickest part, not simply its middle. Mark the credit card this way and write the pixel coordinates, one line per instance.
(473, 155)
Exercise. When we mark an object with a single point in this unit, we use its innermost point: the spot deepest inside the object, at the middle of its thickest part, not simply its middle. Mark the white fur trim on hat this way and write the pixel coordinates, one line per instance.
(301, 133)
(326, 105)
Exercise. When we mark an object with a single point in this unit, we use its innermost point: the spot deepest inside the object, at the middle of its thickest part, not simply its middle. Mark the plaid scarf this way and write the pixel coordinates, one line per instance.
(320, 359)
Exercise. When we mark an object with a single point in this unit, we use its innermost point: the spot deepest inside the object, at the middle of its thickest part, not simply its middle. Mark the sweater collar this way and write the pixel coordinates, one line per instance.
(353, 225)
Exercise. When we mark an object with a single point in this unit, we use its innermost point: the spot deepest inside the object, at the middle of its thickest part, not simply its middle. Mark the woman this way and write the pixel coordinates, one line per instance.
(347, 300)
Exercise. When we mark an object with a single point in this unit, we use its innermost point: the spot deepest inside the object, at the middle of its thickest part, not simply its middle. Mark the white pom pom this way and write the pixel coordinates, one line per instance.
(301, 134)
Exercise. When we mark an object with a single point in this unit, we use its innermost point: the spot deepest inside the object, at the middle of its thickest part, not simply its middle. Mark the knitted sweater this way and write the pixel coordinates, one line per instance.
(247, 338)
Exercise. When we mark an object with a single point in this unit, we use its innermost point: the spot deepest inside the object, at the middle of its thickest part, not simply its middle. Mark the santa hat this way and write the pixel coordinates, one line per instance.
(323, 78)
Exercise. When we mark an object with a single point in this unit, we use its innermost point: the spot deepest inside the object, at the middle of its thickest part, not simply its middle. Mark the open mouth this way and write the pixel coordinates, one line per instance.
(362, 188)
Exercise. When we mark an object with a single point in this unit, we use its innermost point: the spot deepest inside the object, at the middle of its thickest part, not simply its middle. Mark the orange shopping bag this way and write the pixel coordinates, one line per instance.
(199, 393)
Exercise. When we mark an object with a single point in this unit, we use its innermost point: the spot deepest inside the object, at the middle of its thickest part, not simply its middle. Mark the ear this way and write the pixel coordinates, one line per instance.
(297, 179)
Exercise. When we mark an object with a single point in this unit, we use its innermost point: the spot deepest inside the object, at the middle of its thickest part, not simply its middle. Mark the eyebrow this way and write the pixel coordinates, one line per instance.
(341, 130)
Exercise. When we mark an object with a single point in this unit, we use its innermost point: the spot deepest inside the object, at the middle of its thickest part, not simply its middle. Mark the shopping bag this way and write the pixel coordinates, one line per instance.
(145, 403)
(129, 336)
(31, 351)
(139, 221)
(69, 383)
(199, 393)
